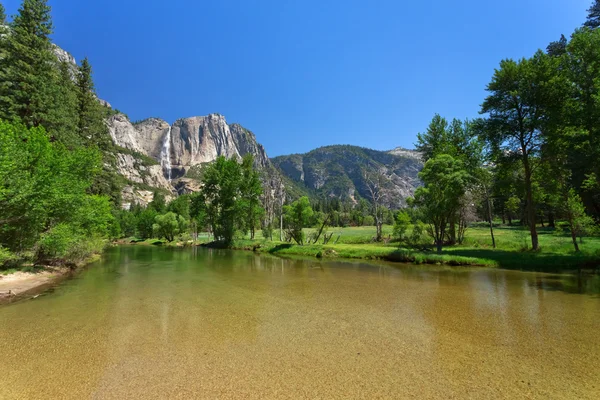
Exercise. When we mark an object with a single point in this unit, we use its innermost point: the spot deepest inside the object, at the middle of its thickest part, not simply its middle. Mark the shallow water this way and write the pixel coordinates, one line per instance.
(195, 323)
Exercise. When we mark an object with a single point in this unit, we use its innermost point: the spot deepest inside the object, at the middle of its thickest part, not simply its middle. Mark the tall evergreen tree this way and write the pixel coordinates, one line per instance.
(557, 48)
(2, 15)
(27, 83)
(91, 125)
(593, 19)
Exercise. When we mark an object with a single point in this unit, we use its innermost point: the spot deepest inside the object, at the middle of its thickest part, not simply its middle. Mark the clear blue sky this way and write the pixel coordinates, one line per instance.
(303, 74)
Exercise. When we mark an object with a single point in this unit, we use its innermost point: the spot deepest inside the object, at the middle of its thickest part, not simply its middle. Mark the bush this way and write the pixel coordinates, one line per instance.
(6, 257)
(369, 221)
(55, 243)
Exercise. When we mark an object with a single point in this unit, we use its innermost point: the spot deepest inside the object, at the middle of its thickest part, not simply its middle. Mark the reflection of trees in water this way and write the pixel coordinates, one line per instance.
(581, 283)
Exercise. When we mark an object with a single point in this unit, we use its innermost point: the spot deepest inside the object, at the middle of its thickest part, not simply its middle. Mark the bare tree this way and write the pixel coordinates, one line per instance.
(378, 188)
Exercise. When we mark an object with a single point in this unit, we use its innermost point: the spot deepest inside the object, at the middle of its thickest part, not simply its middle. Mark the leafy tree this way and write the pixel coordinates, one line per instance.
(168, 226)
(578, 135)
(297, 216)
(251, 192)
(519, 92)
(401, 226)
(181, 206)
(43, 185)
(579, 221)
(145, 223)
(593, 18)
(220, 193)
(445, 181)
(127, 222)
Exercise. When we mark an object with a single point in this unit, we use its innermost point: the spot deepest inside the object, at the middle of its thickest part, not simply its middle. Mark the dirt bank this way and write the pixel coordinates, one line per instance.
(22, 284)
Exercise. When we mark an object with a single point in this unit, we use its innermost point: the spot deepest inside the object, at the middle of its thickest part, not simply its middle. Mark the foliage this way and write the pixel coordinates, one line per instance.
(445, 181)
(145, 223)
(297, 216)
(401, 226)
(169, 225)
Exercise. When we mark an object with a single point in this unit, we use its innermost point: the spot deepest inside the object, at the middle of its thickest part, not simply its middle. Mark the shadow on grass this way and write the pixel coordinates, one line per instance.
(280, 247)
(531, 261)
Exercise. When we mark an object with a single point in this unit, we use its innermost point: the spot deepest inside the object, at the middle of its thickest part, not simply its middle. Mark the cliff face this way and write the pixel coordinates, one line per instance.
(338, 171)
(153, 151)
(199, 140)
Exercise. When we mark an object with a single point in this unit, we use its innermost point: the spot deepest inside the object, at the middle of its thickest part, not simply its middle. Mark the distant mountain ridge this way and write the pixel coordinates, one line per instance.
(338, 171)
(152, 154)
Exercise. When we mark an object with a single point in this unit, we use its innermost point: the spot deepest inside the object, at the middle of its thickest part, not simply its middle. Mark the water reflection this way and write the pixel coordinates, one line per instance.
(213, 323)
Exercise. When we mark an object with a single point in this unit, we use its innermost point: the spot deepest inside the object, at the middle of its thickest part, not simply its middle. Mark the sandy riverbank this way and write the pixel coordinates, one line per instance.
(21, 284)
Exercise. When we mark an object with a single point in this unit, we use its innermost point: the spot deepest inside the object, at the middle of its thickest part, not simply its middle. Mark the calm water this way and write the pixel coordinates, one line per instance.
(195, 323)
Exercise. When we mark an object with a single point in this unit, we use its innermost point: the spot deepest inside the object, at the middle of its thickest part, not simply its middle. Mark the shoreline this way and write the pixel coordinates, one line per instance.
(21, 285)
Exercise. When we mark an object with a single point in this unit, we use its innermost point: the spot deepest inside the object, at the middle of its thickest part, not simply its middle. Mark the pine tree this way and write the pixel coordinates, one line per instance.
(557, 48)
(2, 15)
(593, 19)
(27, 83)
(63, 118)
(91, 125)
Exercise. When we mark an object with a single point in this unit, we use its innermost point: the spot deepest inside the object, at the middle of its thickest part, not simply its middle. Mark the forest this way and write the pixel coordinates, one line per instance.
(532, 159)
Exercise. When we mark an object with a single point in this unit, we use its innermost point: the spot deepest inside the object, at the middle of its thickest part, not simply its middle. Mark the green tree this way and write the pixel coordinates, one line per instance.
(91, 124)
(168, 226)
(557, 48)
(579, 221)
(220, 193)
(402, 224)
(519, 92)
(158, 203)
(250, 195)
(28, 78)
(593, 18)
(43, 185)
(181, 206)
(445, 181)
(578, 135)
(145, 223)
(297, 216)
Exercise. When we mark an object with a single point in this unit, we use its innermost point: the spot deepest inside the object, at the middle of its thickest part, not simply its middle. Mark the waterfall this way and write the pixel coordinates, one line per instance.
(165, 155)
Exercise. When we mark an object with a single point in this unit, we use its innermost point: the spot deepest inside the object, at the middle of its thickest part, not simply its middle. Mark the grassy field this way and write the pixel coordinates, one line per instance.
(556, 250)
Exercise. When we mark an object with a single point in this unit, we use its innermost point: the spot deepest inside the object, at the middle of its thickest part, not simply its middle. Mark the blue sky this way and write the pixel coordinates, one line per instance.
(303, 74)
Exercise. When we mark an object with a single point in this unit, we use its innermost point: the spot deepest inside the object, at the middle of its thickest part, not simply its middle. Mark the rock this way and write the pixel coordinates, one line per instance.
(337, 171)
(198, 140)
(194, 141)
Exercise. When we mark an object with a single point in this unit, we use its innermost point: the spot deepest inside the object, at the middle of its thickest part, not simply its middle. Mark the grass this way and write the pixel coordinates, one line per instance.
(556, 250)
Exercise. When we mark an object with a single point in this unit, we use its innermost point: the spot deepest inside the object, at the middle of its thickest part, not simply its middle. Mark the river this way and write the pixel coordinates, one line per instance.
(149, 322)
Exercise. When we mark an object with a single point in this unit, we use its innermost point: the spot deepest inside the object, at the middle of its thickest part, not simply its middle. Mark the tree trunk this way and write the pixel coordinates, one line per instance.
(551, 221)
(321, 230)
(439, 244)
(281, 221)
(530, 204)
(489, 207)
(452, 231)
(573, 233)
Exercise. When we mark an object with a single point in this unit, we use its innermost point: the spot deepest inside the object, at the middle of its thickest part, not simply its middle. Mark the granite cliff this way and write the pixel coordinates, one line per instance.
(338, 171)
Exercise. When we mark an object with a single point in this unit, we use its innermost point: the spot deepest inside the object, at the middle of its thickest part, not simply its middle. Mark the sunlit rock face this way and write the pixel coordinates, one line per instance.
(199, 140)
(192, 141)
